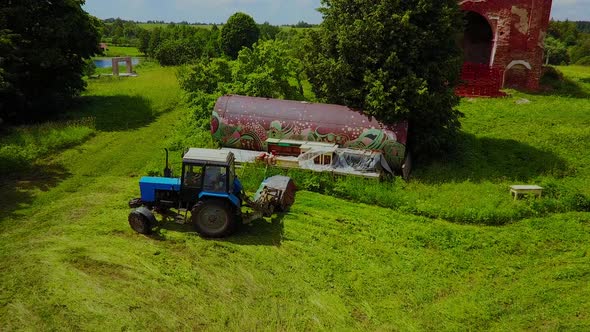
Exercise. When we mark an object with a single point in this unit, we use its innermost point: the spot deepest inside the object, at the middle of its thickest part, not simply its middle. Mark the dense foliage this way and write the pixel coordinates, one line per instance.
(180, 44)
(303, 24)
(43, 46)
(266, 70)
(583, 26)
(121, 32)
(239, 31)
(581, 52)
(395, 60)
(268, 31)
(555, 51)
(567, 43)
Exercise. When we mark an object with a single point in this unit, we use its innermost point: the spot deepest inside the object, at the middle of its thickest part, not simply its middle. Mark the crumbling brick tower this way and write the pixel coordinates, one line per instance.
(503, 45)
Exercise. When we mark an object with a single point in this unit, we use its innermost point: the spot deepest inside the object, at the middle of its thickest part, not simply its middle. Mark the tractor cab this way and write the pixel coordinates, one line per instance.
(209, 173)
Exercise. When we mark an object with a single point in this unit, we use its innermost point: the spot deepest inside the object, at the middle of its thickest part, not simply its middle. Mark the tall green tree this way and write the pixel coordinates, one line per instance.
(266, 70)
(239, 31)
(395, 60)
(565, 31)
(44, 45)
(580, 51)
(144, 41)
(555, 52)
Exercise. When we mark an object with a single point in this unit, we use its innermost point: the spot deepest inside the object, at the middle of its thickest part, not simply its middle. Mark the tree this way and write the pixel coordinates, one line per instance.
(144, 41)
(173, 52)
(580, 51)
(394, 60)
(155, 41)
(44, 45)
(565, 31)
(213, 46)
(302, 24)
(583, 26)
(239, 31)
(555, 52)
(265, 71)
(268, 31)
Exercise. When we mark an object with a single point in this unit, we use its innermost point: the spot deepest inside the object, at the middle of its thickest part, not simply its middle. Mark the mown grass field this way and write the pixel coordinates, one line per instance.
(430, 258)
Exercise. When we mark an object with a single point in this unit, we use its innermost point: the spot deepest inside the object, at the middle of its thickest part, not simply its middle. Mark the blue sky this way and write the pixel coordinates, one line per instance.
(274, 11)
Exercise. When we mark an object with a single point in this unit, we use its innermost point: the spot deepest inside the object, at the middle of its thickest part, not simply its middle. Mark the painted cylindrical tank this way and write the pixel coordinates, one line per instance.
(247, 122)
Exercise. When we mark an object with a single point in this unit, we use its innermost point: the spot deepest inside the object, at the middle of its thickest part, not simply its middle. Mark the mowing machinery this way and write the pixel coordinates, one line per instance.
(210, 189)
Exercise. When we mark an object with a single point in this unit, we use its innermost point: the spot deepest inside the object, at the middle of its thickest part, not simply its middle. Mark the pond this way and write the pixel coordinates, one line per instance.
(108, 62)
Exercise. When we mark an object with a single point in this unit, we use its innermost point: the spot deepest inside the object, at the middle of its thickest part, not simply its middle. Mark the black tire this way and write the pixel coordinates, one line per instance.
(213, 218)
(140, 223)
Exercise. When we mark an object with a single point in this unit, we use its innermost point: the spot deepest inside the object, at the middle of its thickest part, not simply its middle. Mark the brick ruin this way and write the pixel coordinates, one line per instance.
(503, 45)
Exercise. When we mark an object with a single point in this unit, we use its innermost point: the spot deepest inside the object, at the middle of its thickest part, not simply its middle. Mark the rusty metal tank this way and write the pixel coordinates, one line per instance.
(247, 122)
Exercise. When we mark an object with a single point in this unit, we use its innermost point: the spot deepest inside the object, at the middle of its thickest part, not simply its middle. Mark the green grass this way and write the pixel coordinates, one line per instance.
(21, 147)
(117, 51)
(69, 260)
(576, 72)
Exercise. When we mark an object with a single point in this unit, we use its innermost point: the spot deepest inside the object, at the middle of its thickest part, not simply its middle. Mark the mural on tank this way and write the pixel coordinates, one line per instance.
(247, 122)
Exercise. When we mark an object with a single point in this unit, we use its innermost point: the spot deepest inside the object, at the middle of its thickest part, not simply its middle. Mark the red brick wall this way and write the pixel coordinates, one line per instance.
(519, 28)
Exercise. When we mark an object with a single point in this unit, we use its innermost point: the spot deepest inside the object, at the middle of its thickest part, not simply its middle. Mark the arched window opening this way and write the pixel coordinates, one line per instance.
(478, 39)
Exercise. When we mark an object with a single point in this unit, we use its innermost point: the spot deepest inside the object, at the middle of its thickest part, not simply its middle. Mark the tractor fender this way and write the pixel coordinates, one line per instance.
(235, 201)
(147, 213)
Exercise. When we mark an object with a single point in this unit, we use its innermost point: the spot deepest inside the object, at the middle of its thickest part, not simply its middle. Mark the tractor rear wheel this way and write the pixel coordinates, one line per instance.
(139, 223)
(213, 218)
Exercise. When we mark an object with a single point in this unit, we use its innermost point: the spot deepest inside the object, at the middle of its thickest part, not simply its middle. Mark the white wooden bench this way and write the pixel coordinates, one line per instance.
(519, 190)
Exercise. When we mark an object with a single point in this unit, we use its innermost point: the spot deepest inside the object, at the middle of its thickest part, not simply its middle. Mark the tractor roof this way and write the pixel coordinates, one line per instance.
(208, 156)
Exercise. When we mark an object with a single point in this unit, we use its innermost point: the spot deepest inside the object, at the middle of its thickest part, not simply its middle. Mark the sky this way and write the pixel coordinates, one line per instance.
(276, 12)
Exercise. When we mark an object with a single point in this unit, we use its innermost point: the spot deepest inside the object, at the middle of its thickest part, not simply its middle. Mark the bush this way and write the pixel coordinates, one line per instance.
(89, 68)
(177, 52)
(555, 51)
(263, 71)
(585, 61)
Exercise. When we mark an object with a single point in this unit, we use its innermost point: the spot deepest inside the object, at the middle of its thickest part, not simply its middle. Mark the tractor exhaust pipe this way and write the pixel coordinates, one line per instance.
(167, 170)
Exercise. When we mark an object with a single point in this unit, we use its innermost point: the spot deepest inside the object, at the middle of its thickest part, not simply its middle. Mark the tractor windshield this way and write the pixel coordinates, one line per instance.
(193, 176)
(215, 179)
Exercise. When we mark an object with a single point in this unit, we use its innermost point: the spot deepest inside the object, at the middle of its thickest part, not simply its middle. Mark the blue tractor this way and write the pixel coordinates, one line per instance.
(209, 188)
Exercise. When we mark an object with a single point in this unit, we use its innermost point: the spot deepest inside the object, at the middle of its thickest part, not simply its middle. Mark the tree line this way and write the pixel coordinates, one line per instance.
(131, 33)
(567, 43)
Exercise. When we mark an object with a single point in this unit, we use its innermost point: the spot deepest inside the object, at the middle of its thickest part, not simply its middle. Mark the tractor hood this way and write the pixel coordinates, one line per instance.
(149, 185)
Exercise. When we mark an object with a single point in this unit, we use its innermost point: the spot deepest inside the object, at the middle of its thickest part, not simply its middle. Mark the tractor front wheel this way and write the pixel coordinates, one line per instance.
(213, 218)
(140, 223)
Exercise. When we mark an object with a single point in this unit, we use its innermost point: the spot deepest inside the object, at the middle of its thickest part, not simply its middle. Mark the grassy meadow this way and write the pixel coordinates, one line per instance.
(119, 51)
(449, 250)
